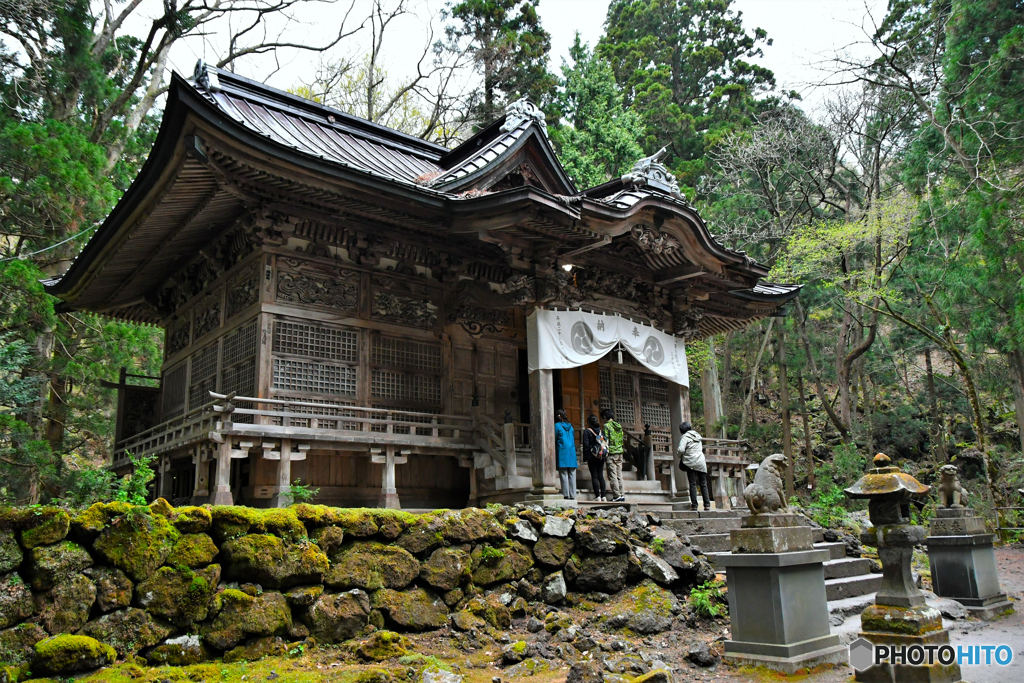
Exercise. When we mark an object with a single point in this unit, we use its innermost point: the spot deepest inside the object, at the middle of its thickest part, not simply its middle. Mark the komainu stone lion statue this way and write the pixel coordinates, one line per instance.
(951, 494)
(767, 493)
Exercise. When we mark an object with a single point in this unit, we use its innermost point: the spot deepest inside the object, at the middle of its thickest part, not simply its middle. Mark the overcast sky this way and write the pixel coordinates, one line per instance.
(804, 34)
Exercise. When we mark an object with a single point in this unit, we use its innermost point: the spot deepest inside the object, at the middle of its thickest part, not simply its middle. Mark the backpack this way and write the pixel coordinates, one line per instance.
(600, 451)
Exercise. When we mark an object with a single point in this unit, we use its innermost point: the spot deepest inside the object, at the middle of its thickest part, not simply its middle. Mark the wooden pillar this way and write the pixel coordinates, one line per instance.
(542, 432)
(201, 487)
(284, 475)
(508, 434)
(721, 489)
(222, 490)
(166, 480)
(388, 491)
(679, 412)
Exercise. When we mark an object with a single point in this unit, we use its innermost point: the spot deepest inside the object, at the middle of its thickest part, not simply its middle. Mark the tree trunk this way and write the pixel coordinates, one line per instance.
(727, 369)
(819, 389)
(938, 438)
(807, 428)
(1016, 361)
(748, 407)
(712, 390)
(787, 433)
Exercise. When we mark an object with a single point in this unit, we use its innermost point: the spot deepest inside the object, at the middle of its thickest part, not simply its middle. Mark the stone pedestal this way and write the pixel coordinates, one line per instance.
(900, 617)
(777, 604)
(963, 563)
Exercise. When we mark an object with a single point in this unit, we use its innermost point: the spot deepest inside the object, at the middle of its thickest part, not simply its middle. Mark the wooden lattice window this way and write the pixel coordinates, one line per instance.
(174, 392)
(203, 378)
(315, 341)
(313, 378)
(405, 373)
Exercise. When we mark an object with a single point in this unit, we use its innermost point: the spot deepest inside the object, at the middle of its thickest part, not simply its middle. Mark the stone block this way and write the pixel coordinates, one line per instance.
(964, 569)
(771, 539)
(772, 520)
(778, 610)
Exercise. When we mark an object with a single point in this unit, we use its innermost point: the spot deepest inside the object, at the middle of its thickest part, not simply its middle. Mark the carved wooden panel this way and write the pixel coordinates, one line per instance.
(401, 301)
(314, 284)
(207, 315)
(243, 290)
(173, 389)
(178, 335)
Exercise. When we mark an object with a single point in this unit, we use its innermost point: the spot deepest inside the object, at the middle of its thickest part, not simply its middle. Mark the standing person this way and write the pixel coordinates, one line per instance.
(595, 450)
(565, 454)
(614, 434)
(691, 461)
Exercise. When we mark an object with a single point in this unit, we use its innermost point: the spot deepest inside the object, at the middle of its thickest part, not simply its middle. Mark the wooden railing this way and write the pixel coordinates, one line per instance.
(192, 426)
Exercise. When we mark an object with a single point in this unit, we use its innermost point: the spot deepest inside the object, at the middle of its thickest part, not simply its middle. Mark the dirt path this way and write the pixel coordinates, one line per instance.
(1008, 630)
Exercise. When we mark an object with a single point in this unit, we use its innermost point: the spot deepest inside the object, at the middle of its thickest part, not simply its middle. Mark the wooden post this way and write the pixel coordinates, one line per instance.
(721, 486)
(222, 490)
(166, 480)
(284, 475)
(542, 432)
(508, 433)
(787, 428)
(679, 412)
(388, 491)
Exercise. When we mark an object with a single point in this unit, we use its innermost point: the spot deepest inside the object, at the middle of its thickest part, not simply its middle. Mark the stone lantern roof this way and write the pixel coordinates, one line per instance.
(886, 480)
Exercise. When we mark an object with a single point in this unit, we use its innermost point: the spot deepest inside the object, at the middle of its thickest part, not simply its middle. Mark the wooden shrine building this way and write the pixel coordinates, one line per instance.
(348, 306)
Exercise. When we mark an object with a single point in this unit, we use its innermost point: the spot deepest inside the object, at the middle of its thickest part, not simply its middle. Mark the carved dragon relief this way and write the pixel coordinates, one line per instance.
(243, 290)
(398, 300)
(335, 288)
(654, 240)
(479, 309)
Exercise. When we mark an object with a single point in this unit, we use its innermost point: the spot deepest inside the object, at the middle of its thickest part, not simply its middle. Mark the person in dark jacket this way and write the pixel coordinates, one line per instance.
(691, 461)
(565, 454)
(595, 450)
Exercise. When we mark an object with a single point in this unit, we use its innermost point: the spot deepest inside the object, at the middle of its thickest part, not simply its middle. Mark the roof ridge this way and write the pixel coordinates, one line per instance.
(209, 79)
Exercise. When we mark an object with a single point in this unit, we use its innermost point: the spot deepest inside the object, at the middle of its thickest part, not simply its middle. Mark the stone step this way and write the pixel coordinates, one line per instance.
(711, 543)
(818, 535)
(703, 525)
(852, 586)
(847, 567)
(836, 550)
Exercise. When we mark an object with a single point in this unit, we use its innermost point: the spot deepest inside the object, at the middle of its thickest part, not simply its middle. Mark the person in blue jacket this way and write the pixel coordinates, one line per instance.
(565, 454)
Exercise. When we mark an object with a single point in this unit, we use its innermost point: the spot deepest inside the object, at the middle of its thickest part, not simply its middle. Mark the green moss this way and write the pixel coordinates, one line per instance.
(12, 518)
(179, 595)
(413, 609)
(490, 610)
(44, 526)
(95, 518)
(160, 506)
(192, 550)
(50, 564)
(242, 616)
(64, 654)
(10, 552)
(271, 561)
(280, 522)
(192, 520)
(509, 561)
(231, 521)
(650, 596)
(137, 542)
(519, 646)
(373, 676)
(384, 645)
(314, 515)
(371, 565)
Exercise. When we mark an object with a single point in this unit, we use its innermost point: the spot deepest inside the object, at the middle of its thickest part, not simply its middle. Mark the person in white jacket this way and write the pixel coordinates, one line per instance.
(691, 461)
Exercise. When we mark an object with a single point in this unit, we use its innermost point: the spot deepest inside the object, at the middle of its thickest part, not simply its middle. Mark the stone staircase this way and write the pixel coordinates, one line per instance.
(845, 577)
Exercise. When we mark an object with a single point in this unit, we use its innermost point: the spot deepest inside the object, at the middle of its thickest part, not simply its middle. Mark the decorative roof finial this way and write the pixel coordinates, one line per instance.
(648, 171)
(523, 111)
(206, 76)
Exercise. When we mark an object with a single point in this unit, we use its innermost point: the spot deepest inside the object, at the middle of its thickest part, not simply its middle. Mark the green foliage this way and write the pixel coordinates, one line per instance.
(598, 138)
(827, 507)
(134, 487)
(708, 600)
(683, 65)
(300, 493)
(510, 49)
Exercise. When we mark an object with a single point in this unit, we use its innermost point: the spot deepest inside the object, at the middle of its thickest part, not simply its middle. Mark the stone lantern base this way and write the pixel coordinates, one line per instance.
(903, 627)
(777, 603)
(963, 563)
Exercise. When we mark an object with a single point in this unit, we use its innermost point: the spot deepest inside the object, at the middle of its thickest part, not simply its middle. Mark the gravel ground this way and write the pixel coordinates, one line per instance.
(1007, 630)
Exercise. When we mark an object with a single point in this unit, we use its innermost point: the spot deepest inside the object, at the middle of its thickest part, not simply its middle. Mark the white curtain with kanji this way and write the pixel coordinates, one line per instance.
(569, 339)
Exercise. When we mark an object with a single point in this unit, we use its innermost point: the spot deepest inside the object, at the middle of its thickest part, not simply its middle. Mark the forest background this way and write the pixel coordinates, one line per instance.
(895, 201)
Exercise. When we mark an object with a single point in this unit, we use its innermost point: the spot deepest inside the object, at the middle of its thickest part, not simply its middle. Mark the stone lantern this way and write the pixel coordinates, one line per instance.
(899, 619)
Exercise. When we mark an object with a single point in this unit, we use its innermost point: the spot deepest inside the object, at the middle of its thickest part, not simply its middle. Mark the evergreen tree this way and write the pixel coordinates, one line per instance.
(597, 138)
(510, 49)
(683, 65)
